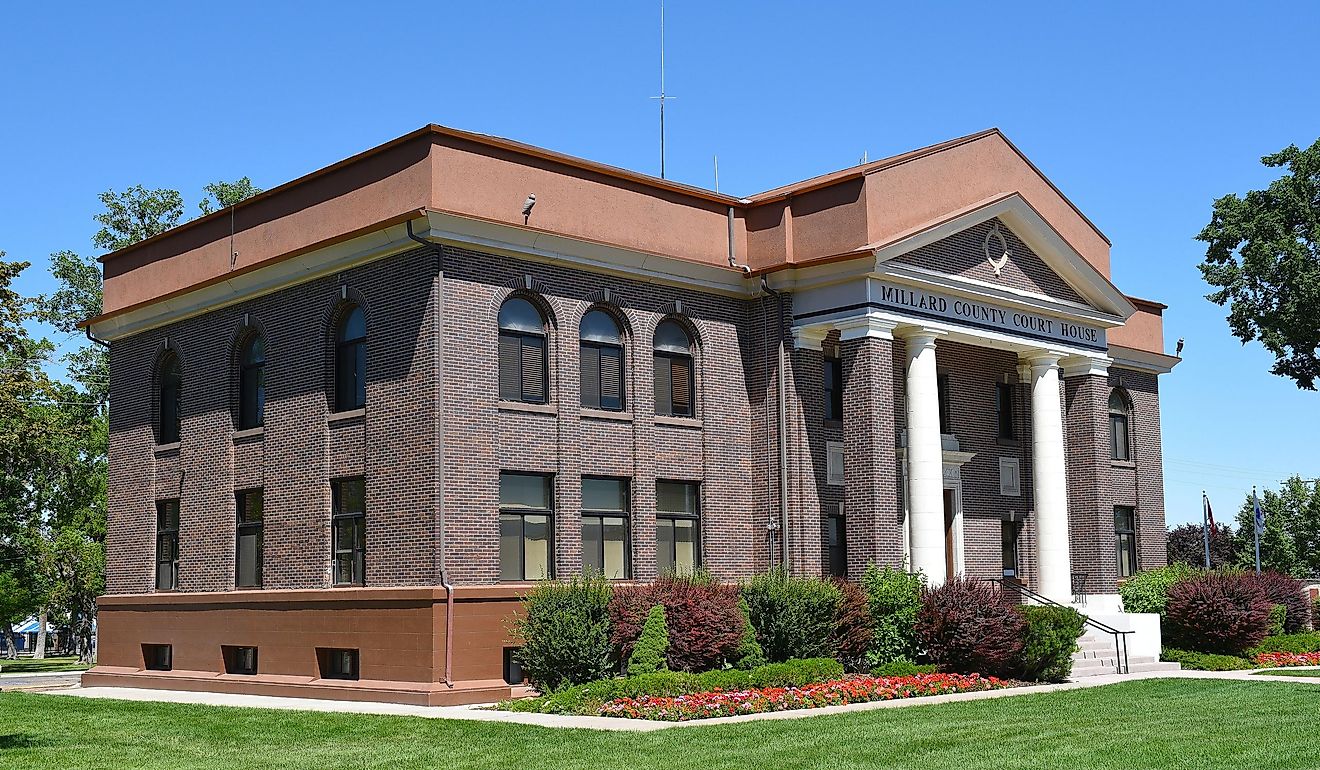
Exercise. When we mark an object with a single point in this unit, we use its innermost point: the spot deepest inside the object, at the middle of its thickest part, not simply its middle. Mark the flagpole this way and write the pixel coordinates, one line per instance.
(1205, 526)
(1256, 524)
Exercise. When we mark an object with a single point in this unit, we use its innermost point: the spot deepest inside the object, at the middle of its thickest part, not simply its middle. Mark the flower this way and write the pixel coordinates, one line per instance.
(1279, 659)
(838, 692)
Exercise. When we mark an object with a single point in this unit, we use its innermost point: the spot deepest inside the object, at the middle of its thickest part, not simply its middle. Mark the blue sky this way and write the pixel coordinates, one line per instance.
(1141, 113)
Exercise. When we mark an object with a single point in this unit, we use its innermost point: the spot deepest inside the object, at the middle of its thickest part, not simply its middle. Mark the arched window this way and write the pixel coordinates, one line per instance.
(522, 352)
(673, 370)
(1120, 445)
(171, 399)
(351, 360)
(602, 362)
(252, 383)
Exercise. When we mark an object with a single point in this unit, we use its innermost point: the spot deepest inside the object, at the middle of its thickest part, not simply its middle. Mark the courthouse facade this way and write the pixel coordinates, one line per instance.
(354, 416)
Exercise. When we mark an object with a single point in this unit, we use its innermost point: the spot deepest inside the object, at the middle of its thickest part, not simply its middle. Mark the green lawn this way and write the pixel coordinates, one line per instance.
(30, 666)
(1145, 724)
(1311, 672)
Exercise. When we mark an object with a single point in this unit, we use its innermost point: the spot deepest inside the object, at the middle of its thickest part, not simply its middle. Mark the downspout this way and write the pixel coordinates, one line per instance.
(783, 423)
(437, 342)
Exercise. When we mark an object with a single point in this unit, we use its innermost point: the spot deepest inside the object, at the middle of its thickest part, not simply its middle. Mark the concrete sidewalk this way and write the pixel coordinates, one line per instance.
(478, 714)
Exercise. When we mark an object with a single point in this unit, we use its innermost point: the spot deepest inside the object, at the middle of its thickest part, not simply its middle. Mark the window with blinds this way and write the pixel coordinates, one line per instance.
(248, 557)
(522, 352)
(602, 362)
(673, 371)
(349, 530)
(167, 545)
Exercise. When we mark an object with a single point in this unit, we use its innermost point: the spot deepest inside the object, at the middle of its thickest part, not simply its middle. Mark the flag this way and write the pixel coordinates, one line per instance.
(1209, 512)
(1260, 514)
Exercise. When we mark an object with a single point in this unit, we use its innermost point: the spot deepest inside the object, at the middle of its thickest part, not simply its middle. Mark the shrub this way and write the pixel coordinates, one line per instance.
(1051, 640)
(702, 618)
(1315, 613)
(1149, 591)
(648, 654)
(565, 632)
(852, 626)
(894, 598)
(1288, 592)
(1201, 661)
(796, 673)
(1217, 612)
(1294, 643)
(1277, 619)
(903, 667)
(967, 626)
(793, 616)
(749, 654)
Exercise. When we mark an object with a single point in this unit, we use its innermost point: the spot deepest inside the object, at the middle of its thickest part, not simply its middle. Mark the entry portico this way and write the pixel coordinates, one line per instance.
(880, 299)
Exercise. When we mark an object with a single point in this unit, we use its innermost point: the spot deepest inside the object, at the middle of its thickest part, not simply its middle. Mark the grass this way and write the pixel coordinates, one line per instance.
(1311, 672)
(1173, 723)
(30, 666)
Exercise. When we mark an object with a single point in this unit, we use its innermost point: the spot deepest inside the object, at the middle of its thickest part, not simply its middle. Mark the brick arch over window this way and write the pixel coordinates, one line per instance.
(348, 359)
(675, 345)
(604, 336)
(167, 384)
(1120, 424)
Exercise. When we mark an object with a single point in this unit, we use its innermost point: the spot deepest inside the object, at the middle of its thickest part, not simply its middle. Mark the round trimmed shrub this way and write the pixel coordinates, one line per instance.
(565, 630)
(1286, 591)
(793, 616)
(702, 617)
(1148, 591)
(648, 654)
(1051, 640)
(1217, 613)
(967, 626)
(894, 598)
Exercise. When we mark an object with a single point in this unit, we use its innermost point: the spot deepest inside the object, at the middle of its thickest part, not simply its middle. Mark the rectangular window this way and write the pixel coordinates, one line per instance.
(167, 545)
(605, 541)
(673, 385)
(602, 376)
(1118, 437)
(1008, 536)
(157, 657)
(522, 367)
(240, 660)
(836, 544)
(525, 524)
(349, 529)
(834, 463)
(337, 664)
(1010, 476)
(513, 670)
(946, 405)
(677, 527)
(1125, 539)
(247, 569)
(833, 375)
(1004, 411)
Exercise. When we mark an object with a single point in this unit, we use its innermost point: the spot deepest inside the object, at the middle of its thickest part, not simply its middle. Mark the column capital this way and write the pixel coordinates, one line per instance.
(809, 337)
(1041, 358)
(869, 325)
(1076, 366)
(921, 336)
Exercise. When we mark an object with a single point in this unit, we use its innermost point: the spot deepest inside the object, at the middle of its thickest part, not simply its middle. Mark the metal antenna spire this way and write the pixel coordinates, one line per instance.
(662, 97)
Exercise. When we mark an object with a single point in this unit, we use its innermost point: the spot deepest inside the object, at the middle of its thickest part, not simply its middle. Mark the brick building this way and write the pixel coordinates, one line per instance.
(352, 417)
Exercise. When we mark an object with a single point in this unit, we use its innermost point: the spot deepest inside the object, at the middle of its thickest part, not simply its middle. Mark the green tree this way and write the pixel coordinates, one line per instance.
(1288, 512)
(77, 299)
(136, 214)
(221, 195)
(1263, 255)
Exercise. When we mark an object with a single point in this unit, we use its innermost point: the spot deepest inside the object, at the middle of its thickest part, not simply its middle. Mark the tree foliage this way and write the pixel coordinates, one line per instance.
(136, 214)
(1263, 255)
(222, 194)
(1187, 545)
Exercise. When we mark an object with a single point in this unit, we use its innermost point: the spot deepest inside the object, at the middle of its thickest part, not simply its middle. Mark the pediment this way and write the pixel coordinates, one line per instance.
(1005, 245)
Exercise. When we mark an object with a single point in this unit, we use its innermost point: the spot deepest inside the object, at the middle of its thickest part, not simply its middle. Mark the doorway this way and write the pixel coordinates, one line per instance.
(950, 534)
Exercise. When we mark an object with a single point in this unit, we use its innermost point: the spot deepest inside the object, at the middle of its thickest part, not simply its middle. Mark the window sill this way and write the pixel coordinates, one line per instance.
(164, 449)
(832, 423)
(1008, 442)
(351, 414)
(679, 422)
(606, 414)
(1122, 464)
(519, 406)
(250, 433)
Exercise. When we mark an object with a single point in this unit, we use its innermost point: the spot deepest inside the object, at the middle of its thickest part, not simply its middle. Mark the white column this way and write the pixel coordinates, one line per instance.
(925, 458)
(1049, 481)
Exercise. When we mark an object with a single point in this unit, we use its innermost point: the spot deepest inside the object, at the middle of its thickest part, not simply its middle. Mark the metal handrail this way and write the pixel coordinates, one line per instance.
(1120, 636)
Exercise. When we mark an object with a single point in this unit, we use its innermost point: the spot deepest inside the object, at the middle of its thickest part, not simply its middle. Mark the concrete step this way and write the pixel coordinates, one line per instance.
(1137, 668)
(1136, 664)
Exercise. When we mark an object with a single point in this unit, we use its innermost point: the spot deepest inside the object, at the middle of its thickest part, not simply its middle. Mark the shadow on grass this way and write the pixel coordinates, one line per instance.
(19, 741)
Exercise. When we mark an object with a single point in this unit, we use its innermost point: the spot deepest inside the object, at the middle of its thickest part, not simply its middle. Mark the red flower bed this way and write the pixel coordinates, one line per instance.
(862, 689)
(1281, 659)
